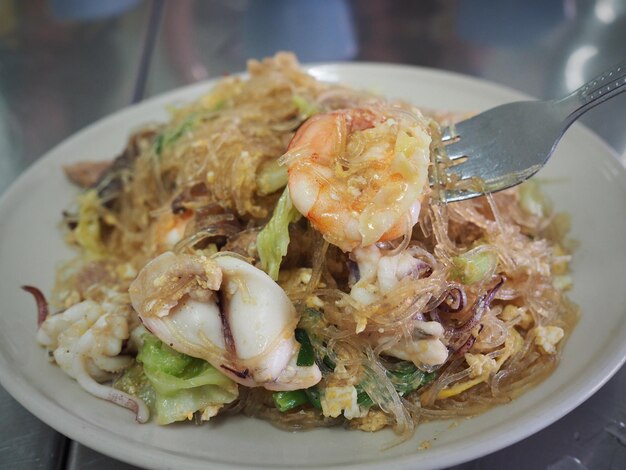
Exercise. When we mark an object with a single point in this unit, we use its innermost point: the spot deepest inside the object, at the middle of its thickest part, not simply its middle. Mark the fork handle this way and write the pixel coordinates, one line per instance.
(595, 91)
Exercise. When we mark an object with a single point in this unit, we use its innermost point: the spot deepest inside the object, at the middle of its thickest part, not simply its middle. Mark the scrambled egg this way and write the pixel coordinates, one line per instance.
(522, 316)
(546, 337)
(480, 364)
(338, 399)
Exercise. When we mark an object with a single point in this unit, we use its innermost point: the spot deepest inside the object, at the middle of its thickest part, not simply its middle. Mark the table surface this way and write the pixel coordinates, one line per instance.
(64, 64)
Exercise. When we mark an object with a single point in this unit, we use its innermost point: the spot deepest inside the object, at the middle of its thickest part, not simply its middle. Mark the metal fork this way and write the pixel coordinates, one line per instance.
(508, 144)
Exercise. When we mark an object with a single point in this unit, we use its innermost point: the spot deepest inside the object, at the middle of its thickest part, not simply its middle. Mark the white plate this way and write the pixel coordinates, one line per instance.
(593, 191)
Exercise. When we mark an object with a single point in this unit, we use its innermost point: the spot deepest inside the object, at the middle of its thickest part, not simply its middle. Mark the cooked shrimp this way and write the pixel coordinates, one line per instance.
(226, 311)
(359, 175)
(169, 228)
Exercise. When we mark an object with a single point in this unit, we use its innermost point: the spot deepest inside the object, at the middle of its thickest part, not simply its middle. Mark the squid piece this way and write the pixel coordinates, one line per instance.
(227, 312)
(86, 342)
(379, 275)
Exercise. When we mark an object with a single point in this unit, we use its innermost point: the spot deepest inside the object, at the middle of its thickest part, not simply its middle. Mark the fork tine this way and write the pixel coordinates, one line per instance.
(456, 150)
(468, 168)
(494, 179)
(454, 195)
(449, 133)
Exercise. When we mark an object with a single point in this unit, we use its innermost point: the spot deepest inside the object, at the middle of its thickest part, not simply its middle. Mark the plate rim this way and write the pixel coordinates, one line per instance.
(75, 428)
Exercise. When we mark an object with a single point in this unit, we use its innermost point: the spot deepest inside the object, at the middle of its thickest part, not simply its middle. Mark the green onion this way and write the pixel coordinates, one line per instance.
(306, 357)
(328, 362)
(313, 394)
(286, 401)
(170, 136)
(362, 398)
(406, 377)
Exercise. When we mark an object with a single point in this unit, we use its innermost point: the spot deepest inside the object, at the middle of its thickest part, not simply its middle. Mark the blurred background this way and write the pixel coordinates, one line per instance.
(66, 63)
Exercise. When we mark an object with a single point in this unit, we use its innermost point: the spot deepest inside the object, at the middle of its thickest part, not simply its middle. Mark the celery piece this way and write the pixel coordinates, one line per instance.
(273, 240)
(476, 265)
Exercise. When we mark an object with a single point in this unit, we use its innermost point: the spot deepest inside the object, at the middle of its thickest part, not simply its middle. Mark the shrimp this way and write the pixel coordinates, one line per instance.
(169, 228)
(359, 175)
(227, 312)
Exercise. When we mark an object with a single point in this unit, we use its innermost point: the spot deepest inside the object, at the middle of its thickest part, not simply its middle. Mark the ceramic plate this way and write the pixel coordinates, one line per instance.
(591, 186)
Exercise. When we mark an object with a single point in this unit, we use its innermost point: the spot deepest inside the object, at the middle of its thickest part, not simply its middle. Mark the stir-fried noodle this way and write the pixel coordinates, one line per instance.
(381, 305)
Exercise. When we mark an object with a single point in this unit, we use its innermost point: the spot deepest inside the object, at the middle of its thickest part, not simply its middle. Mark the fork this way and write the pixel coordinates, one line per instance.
(508, 144)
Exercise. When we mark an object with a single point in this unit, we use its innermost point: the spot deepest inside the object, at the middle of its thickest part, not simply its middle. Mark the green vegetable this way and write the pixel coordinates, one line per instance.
(171, 135)
(157, 355)
(177, 399)
(406, 377)
(313, 322)
(182, 384)
(166, 384)
(306, 356)
(362, 398)
(135, 383)
(271, 177)
(532, 200)
(286, 401)
(313, 394)
(476, 265)
(306, 109)
(328, 362)
(273, 240)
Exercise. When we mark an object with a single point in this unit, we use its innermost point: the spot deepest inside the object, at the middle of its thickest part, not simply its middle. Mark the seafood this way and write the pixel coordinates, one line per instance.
(227, 312)
(359, 175)
(268, 235)
(169, 229)
(86, 341)
(378, 275)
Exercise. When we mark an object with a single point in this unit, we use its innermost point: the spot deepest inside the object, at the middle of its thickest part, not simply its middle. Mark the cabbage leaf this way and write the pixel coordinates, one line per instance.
(273, 241)
(175, 384)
